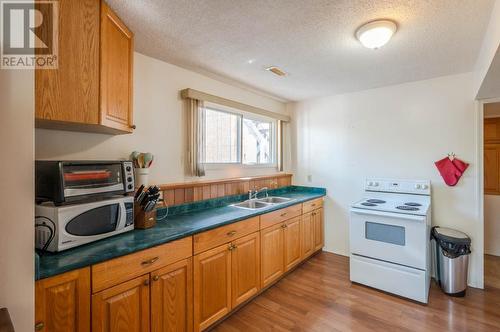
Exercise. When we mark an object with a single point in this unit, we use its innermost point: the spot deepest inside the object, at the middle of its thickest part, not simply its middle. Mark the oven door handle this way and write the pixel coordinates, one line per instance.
(389, 214)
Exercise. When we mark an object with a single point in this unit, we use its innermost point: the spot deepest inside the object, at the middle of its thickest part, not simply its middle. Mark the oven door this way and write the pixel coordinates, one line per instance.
(390, 237)
(92, 178)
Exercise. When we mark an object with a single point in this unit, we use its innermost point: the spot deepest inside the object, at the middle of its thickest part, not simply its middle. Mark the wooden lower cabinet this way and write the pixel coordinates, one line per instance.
(272, 254)
(245, 268)
(172, 298)
(122, 308)
(212, 286)
(319, 229)
(307, 236)
(62, 303)
(292, 240)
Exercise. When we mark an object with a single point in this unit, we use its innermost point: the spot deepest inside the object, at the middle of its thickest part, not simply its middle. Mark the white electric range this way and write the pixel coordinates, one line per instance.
(389, 237)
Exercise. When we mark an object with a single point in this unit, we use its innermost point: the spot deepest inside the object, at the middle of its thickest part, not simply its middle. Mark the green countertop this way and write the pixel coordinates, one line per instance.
(181, 221)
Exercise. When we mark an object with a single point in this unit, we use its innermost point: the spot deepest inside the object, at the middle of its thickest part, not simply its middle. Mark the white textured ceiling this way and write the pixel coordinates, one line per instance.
(312, 40)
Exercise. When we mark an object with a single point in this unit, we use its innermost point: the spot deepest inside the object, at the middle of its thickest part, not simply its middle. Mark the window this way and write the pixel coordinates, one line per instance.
(222, 137)
(233, 138)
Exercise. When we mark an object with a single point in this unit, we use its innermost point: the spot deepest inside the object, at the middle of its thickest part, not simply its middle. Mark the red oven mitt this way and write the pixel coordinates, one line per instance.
(451, 170)
(448, 171)
(460, 165)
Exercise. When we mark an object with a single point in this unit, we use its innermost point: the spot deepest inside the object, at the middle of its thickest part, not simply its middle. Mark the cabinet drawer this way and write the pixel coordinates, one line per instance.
(312, 205)
(278, 216)
(124, 268)
(213, 238)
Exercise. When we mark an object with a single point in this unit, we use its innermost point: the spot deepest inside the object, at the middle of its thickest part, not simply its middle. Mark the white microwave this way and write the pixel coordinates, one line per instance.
(58, 228)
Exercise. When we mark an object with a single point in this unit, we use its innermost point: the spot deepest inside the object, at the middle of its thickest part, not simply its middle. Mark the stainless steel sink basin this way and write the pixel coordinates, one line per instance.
(251, 205)
(274, 200)
(255, 204)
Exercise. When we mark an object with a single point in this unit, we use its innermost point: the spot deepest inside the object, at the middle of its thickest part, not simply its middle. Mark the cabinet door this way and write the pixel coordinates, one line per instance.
(292, 238)
(245, 263)
(117, 50)
(272, 254)
(307, 235)
(70, 93)
(491, 169)
(62, 303)
(122, 308)
(319, 233)
(212, 286)
(172, 298)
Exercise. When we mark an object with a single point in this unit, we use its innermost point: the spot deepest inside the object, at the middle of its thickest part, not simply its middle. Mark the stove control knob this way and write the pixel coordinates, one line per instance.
(417, 186)
(376, 184)
(424, 186)
(370, 183)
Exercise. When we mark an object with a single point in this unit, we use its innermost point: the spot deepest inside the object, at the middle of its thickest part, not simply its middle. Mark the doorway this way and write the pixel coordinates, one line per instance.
(491, 141)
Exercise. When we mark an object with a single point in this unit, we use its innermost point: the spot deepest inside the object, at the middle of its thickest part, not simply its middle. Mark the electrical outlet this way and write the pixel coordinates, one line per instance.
(309, 178)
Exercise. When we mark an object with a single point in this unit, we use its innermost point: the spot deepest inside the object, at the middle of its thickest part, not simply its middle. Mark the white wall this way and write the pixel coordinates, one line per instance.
(492, 225)
(395, 132)
(17, 197)
(158, 115)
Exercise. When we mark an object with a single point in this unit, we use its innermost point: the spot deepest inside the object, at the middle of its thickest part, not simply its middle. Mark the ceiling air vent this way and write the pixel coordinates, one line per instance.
(276, 71)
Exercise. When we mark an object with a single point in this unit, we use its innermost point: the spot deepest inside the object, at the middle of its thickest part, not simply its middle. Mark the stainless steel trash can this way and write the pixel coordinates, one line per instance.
(452, 250)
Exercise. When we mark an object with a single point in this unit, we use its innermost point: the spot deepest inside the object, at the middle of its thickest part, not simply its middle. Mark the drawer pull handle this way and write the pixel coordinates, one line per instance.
(156, 278)
(313, 205)
(283, 214)
(231, 233)
(39, 326)
(146, 282)
(231, 247)
(284, 226)
(150, 261)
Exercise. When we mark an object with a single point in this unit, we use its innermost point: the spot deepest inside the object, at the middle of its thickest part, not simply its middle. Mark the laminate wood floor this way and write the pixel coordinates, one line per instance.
(318, 296)
(492, 272)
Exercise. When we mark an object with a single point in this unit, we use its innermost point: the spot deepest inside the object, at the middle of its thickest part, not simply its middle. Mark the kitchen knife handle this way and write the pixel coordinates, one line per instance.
(150, 261)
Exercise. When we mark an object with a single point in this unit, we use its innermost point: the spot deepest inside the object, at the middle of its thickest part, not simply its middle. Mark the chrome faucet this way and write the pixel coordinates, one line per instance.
(252, 194)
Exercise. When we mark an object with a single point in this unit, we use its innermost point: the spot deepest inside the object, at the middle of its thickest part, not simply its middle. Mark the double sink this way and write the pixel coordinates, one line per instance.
(260, 203)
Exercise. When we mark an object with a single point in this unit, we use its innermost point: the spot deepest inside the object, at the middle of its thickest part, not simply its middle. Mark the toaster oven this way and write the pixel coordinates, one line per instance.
(69, 181)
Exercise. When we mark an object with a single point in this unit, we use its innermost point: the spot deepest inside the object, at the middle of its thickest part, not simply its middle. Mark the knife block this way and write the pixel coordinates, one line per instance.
(142, 219)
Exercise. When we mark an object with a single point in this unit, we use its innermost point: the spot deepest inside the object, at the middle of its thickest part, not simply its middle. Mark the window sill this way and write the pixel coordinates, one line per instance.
(210, 167)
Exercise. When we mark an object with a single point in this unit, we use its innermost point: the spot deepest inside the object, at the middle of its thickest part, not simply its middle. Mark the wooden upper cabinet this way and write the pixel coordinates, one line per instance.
(62, 303)
(492, 169)
(91, 90)
(272, 254)
(212, 286)
(117, 52)
(292, 240)
(492, 154)
(172, 298)
(492, 130)
(245, 272)
(122, 308)
(319, 229)
(70, 93)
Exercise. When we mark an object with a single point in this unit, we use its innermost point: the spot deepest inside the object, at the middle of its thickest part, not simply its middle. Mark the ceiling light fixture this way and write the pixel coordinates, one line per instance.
(376, 34)
(275, 70)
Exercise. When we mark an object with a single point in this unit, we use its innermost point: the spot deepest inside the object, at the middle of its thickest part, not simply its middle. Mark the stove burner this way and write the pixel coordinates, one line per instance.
(368, 204)
(413, 204)
(407, 208)
(375, 201)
